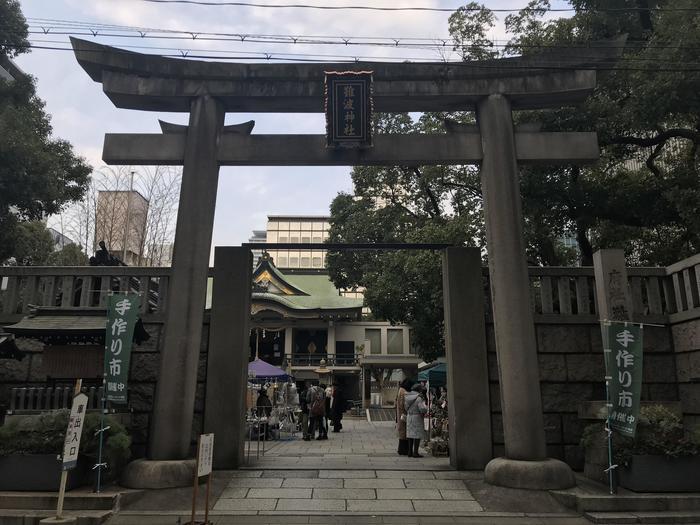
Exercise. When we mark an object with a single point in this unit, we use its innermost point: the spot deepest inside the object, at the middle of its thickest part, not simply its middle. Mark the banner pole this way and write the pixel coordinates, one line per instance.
(206, 501)
(196, 483)
(609, 431)
(101, 431)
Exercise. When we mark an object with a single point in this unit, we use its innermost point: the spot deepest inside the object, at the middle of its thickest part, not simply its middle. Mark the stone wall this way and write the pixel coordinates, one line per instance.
(572, 371)
(686, 342)
(142, 381)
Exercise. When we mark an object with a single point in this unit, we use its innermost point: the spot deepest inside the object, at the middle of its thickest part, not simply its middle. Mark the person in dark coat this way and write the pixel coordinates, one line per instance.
(264, 409)
(337, 407)
(304, 407)
(401, 416)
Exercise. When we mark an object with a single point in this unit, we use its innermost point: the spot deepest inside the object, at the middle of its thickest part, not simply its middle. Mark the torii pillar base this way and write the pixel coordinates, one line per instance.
(547, 474)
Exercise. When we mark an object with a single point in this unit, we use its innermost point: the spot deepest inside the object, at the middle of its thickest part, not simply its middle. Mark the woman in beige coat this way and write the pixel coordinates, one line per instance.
(401, 416)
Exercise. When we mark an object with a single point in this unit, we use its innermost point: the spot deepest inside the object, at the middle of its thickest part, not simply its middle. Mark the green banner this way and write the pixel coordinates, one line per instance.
(121, 319)
(623, 365)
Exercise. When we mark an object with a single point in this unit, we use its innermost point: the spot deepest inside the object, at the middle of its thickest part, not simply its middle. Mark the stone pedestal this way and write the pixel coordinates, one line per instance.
(521, 404)
(547, 474)
(145, 474)
(182, 334)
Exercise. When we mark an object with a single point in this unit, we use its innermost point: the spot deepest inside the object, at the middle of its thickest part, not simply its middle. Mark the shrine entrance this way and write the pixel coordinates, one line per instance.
(207, 90)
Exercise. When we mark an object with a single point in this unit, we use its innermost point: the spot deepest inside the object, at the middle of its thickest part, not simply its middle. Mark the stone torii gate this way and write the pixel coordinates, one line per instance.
(207, 90)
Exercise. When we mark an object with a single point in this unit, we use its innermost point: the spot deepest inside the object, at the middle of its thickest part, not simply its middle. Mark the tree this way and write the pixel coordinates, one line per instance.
(33, 244)
(39, 174)
(70, 255)
(644, 194)
(159, 185)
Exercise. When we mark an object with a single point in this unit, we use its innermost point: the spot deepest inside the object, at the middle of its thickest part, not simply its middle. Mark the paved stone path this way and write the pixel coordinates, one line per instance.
(353, 477)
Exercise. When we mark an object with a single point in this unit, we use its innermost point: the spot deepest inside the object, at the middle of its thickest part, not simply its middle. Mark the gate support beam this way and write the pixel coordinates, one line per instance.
(525, 464)
(227, 362)
(467, 368)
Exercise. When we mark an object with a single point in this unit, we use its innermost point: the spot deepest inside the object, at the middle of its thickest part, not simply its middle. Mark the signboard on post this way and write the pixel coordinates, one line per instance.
(71, 445)
(623, 365)
(206, 454)
(121, 319)
(349, 109)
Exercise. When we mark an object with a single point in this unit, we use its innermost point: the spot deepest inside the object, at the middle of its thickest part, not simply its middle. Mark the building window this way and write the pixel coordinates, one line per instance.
(374, 336)
(282, 261)
(293, 262)
(317, 262)
(283, 239)
(394, 340)
(306, 240)
(305, 262)
(318, 240)
(294, 240)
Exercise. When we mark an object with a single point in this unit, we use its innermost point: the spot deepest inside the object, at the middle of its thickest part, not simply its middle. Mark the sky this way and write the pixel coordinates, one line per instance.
(82, 114)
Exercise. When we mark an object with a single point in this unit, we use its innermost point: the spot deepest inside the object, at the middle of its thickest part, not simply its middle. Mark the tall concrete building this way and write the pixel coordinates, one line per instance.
(298, 229)
(258, 237)
(120, 221)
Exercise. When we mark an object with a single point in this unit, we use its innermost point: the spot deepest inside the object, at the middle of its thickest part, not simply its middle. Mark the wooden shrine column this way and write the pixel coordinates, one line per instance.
(525, 464)
(171, 427)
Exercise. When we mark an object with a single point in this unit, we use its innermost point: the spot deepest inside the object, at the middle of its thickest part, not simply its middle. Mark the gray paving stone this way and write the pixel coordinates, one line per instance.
(406, 474)
(265, 483)
(311, 505)
(459, 474)
(384, 505)
(243, 473)
(446, 506)
(344, 494)
(388, 483)
(299, 483)
(347, 474)
(245, 504)
(408, 494)
(279, 493)
(447, 484)
(234, 493)
(290, 474)
(463, 495)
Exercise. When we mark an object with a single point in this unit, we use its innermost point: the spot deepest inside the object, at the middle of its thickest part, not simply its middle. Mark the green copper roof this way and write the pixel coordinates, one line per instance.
(323, 295)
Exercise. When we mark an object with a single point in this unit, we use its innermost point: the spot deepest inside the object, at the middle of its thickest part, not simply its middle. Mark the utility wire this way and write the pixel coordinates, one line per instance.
(341, 41)
(94, 28)
(413, 8)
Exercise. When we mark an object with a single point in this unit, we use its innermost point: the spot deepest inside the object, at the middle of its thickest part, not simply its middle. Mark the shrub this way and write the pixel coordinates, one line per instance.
(45, 433)
(659, 432)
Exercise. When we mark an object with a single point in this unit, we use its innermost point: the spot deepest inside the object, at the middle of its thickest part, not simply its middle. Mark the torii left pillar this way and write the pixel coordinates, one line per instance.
(171, 426)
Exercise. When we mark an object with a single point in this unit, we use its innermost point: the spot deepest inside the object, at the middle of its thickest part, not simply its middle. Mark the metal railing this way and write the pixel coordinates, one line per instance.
(331, 361)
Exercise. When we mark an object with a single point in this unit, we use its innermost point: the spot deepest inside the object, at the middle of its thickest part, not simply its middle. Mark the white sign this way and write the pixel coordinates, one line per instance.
(206, 454)
(74, 432)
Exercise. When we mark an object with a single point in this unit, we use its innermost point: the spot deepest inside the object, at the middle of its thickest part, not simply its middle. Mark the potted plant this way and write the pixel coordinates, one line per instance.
(663, 457)
(30, 450)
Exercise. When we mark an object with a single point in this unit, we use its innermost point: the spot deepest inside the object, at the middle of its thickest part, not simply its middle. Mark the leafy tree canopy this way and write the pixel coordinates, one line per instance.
(39, 174)
(643, 194)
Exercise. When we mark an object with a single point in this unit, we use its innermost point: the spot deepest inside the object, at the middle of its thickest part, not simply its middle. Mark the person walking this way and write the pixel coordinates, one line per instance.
(316, 399)
(415, 414)
(404, 388)
(337, 407)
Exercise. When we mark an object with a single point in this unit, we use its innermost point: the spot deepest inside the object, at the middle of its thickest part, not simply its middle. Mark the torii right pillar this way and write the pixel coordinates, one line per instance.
(525, 464)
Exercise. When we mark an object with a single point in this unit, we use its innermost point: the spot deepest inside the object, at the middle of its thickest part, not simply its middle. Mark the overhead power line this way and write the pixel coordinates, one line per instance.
(409, 8)
(97, 29)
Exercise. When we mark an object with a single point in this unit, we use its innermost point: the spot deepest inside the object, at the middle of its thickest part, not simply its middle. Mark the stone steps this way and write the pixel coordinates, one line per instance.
(644, 517)
(33, 517)
(652, 502)
(49, 500)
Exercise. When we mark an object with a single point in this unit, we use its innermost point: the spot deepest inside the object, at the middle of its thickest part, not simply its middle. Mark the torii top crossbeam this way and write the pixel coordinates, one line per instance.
(149, 82)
